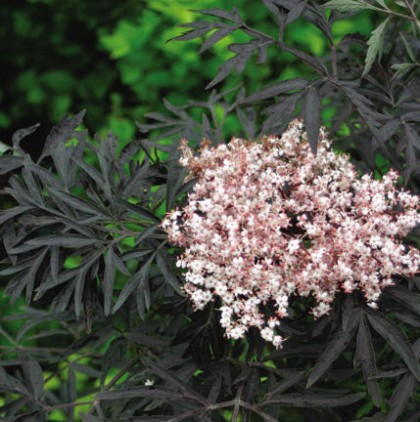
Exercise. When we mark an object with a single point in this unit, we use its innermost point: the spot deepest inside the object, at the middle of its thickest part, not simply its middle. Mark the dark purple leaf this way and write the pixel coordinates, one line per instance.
(170, 278)
(21, 134)
(296, 11)
(216, 36)
(407, 298)
(9, 163)
(333, 349)
(232, 16)
(32, 372)
(413, 137)
(195, 33)
(8, 214)
(132, 283)
(312, 400)
(274, 90)
(108, 280)
(402, 394)
(155, 393)
(61, 133)
(396, 339)
(312, 116)
(280, 113)
(365, 357)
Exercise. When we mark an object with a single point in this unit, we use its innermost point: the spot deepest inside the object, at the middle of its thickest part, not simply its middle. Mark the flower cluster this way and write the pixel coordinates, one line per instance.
(269, 220)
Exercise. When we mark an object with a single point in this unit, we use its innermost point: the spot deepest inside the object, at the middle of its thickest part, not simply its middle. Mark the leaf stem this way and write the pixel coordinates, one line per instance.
(334, 62)
(238, 402)
(413, 17)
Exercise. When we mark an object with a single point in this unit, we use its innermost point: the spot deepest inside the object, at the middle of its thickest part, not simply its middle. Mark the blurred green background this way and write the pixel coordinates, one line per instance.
(114, 59)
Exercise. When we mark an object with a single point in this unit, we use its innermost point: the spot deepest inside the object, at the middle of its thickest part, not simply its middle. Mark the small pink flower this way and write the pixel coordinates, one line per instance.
(269, 220)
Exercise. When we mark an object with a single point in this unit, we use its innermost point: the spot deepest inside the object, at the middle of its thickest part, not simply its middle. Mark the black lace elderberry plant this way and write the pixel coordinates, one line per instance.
(105, 332)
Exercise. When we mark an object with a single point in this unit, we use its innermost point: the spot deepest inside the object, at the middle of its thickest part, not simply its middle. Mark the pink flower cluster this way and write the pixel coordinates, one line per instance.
(269, 220)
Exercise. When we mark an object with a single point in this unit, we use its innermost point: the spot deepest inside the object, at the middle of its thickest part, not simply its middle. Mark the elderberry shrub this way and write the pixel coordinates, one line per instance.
(283, 245)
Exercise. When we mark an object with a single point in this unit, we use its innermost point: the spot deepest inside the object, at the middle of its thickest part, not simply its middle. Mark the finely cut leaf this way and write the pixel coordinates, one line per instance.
(274, 90)
(224, 70)
(64, 240)
(167, 273)
(348, 5)
(13, 212)
(232, 16)
(312, 116)
(132, 283)
(404, 391)
(215, 37)
(172, 379)
(365, 357)
(33, 375)
(288, 382)
(9, 163)
(408, 48)
(408, 299)
(375, 43)
(21, 134)
(108, 280)
(60, 134)
(396, 339)
(10, 383)
(312, 400)
(156, 393)
(333, 349)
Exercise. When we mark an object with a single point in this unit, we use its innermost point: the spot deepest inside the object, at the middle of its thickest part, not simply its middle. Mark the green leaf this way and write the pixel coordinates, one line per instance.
(401, 69)
(408, 48)
(375, 43)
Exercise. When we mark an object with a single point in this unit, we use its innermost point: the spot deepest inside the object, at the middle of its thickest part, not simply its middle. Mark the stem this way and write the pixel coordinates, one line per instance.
(67, 405)
(301, 56)
(413, 13)
(258, 411)
(391, 12)
(120, 374)
(382, 145)
(8, 337)
(259, 34)
(238, 402)
(334, 62)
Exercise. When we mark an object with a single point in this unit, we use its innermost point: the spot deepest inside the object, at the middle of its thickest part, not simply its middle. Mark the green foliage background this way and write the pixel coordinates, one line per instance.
(114, 60)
